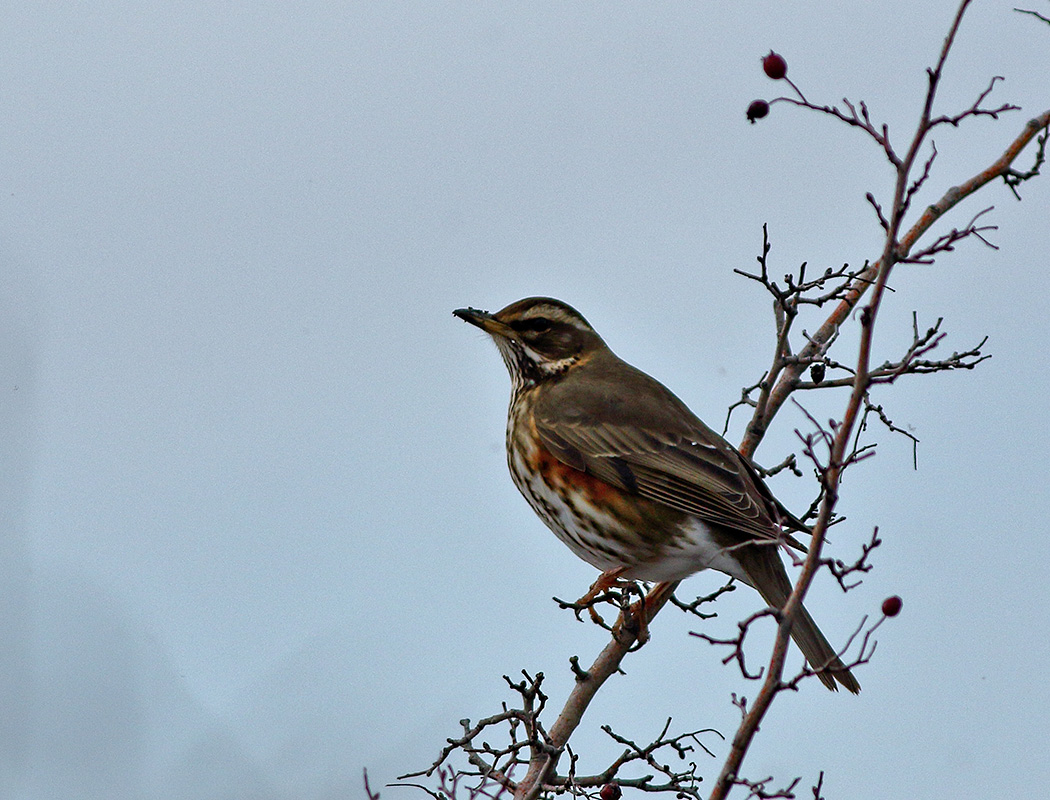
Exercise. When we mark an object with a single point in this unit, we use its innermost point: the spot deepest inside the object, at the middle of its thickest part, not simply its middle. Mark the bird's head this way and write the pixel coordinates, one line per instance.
(538, 337)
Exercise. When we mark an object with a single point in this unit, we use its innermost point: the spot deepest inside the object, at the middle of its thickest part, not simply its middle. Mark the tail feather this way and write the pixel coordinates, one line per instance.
(820, 654)
(766, 571)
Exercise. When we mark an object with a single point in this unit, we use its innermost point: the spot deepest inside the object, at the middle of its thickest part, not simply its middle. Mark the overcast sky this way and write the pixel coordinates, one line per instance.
(258, 529)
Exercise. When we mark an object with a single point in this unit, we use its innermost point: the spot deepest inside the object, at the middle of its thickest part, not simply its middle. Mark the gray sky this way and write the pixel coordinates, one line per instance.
(259, 528)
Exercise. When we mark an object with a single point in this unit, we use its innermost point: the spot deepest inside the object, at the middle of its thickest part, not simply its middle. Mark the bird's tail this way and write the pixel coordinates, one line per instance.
(770, 579)
(820, 654)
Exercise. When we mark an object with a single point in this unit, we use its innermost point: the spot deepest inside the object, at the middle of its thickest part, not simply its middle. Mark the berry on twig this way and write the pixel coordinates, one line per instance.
(774, 66)
(757, 110)
(891, 606)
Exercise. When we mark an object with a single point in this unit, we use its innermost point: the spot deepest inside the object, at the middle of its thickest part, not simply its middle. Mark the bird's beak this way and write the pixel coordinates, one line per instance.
(483, 320)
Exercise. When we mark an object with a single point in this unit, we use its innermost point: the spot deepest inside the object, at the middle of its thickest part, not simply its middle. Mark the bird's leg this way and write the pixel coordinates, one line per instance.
(610, 579)
(643, 610)
(636, 620)
(634, 617)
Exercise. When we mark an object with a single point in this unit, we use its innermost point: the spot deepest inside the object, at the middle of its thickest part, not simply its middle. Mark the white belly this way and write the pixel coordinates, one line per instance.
(696, 550)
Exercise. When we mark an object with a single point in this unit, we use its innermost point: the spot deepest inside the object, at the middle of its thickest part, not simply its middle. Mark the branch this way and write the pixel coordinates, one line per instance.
(541, 767)
(894, 250)
(842, 571)
(1035, 14)
(790, 378)
(496, 765)
(737, 642)
(368, 789)
(539, 750)
(694, 606)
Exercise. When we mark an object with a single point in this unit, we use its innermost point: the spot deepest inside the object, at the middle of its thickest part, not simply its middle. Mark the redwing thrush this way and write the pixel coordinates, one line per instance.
(627, 476)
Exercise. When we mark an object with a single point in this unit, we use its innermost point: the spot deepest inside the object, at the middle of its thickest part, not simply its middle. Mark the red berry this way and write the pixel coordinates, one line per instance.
(757, 110)
(775, 66)
(891, 606)
(611, 791)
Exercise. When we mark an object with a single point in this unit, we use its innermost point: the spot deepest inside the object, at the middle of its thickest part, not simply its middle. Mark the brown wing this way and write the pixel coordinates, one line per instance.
(622, 426)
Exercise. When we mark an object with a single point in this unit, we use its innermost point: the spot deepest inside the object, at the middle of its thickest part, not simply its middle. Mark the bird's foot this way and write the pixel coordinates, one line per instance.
(607, 587)
(634, 617)
(634, 620)
(610, 579)
(612, 587)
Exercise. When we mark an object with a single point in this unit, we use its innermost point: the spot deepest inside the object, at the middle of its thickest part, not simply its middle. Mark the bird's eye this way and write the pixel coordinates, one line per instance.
(532, 325)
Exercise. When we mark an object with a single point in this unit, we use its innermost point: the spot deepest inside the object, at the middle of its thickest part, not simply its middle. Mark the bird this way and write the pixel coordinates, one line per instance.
(628, 477)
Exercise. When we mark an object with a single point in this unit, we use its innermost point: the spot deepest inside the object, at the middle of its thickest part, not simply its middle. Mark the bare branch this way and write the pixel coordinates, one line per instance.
(870, 408)
(737, 642)
(789, 379)
(368, 789)
(1035, 14)
(851, 117)
(878, 210)
(975, 110)
(842, 571)
(492, 764)
(918, 182)
(864, 654)
(818, 787)
(894, 249)
(693, 607)
(946, 241)
(831, 447)
(760, 790)
(789, 463)
(1012, 178)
